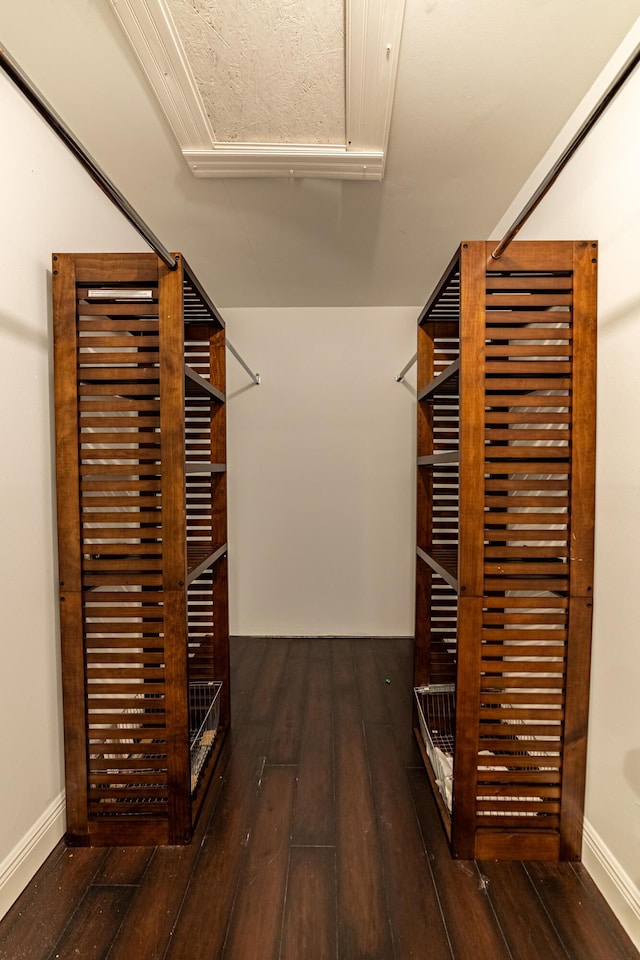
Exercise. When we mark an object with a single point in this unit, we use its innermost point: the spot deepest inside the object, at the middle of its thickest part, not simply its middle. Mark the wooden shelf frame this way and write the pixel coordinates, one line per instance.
(506, 388)
(142, 529)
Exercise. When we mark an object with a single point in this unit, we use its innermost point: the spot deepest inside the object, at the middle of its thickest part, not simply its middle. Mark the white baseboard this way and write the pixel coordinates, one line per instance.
(615, 884)
(28, 855)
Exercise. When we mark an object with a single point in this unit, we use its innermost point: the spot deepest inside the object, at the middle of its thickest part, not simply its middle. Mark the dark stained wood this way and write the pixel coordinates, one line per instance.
(267, 875)
(95, 924)
(256, 923)
(526, 431)
(172, 426)
(69, 540)
(37, 920)
(73, 695)
(124, 865)
(556, 255)
(373, 706)
(463, 825)
(309, 927)
(363, 920)
(266, 693)
(575, 727)
(527, 931)
(155, 905)
(122, 268)
(177, 721)
(314, 821)
(472, 373)
(247, 674)
(286, 730)
(467, 912)
(414, 910)
(396, 695)
(202, 925)
(148, 927)
(583, 425)
(128, 391)
(584, 928)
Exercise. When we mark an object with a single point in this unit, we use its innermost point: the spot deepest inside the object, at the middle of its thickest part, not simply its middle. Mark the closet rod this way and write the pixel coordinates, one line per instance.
(407, 366)
(57, 124)
(59, 127)
(254, 376)
(569, 151)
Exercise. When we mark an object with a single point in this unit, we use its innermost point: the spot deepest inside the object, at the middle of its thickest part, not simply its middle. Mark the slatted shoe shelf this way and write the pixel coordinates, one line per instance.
(139, 363)
(505, 507)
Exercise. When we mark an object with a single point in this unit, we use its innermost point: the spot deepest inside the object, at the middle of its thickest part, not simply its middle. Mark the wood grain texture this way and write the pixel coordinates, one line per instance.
(414, 909)
(155, 906)
(202, 926)
(466, 909)
(37, 920)
(96, 923)
(383, 885)
(521, 518)
(314, 822)
(256, 923)
(309, 925)
(286, 730)
(584, 929)
(528, 932)
(472, 374)
(363, 920)
(127, 436)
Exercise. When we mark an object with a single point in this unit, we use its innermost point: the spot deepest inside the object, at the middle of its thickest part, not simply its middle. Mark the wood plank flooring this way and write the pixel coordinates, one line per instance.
(319, 840)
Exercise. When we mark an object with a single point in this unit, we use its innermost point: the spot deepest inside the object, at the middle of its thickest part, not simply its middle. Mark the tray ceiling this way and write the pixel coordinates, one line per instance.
(298, 89)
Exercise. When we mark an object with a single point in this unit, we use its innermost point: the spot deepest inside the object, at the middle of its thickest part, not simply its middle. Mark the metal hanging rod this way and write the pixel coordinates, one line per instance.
(569, 151)
(59, 127)
(407, 366)
(57, 124)
(254, 376)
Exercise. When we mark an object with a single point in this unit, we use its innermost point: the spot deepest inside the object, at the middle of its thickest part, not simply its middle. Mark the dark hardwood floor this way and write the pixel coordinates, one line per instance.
(319, 839)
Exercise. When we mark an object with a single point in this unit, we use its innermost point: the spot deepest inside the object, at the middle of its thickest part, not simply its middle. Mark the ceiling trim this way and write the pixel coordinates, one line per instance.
(373, 29)
(285, 160)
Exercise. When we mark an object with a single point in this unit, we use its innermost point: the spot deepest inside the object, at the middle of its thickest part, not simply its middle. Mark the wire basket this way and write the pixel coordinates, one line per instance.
(204, 717)
(436, 716)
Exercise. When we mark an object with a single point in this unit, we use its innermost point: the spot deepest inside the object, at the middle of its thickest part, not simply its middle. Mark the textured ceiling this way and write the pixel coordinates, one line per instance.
(482, 90)
(267, 72)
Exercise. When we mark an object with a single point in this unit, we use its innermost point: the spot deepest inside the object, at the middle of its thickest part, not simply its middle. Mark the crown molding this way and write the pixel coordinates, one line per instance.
(373, 29)
(284, 160)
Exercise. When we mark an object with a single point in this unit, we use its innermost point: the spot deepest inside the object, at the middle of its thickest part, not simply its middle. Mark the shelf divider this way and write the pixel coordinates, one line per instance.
(201, 557)
(445, 379)
(202, 385)
(436, 563)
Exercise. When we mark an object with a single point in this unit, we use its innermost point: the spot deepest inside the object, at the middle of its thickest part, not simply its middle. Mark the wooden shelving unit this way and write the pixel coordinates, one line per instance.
(505, 506)
(139, 355)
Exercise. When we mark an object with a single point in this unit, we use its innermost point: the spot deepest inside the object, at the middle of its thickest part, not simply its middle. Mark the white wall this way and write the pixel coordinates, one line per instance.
(598, 198)
(322, 455)
(48, 203)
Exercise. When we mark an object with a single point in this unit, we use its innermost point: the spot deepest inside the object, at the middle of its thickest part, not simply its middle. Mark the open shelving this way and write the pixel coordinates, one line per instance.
(139, 356)
(505, 504)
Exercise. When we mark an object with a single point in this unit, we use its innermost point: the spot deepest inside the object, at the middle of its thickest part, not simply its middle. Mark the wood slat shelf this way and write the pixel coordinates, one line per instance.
(444, 562)
(504, 577)
(198, 386)
(139, 354)
(201, 557)
(445, 456)
(446, 383)
(195, 467)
